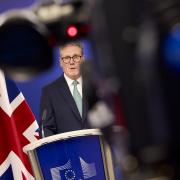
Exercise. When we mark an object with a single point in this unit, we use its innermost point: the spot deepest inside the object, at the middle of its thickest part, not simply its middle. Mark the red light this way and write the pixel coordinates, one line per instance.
(72, 31)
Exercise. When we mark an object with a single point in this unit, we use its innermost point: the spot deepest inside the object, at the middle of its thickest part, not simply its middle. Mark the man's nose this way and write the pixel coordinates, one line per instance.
(71, 61)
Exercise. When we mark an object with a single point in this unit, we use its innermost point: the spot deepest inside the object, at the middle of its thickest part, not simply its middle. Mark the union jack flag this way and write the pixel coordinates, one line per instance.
(17, 128)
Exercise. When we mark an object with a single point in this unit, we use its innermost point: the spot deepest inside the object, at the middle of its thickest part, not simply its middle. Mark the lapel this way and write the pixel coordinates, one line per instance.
(85, 109)
(64, 90)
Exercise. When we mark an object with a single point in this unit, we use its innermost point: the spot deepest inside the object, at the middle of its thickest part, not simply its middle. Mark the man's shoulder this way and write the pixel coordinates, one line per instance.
(54, 83)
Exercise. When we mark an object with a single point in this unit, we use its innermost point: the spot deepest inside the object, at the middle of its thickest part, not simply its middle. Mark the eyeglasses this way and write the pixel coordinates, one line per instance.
(67, 59)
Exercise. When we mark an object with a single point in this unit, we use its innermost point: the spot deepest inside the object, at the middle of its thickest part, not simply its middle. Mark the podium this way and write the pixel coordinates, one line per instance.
(75, 155)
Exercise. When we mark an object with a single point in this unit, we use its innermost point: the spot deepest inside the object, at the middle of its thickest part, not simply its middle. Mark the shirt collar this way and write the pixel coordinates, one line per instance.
(70, 81)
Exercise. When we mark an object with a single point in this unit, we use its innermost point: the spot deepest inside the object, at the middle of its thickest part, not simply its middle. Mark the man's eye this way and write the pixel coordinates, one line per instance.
(67, 57)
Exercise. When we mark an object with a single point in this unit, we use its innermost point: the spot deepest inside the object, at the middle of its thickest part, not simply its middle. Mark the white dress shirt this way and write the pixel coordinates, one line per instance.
(71, 86)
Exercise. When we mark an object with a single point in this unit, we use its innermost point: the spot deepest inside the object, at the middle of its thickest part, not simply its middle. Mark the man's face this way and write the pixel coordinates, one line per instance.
(71, 68)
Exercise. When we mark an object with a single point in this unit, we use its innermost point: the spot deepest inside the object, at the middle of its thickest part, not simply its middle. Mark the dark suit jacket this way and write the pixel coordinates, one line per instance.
(58, 110)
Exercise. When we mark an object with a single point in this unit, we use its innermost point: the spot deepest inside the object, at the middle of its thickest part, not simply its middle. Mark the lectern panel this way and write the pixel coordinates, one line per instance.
(76, 158)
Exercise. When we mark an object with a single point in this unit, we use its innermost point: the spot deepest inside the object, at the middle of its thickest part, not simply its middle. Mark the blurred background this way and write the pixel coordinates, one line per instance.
(134, 48)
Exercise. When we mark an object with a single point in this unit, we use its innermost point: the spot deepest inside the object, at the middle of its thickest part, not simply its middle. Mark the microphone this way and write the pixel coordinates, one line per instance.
(44, 114)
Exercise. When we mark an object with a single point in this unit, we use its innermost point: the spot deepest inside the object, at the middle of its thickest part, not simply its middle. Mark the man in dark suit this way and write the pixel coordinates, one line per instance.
(63, 107)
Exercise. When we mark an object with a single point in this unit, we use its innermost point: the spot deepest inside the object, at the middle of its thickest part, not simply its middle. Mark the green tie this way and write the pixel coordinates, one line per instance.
(77, 97)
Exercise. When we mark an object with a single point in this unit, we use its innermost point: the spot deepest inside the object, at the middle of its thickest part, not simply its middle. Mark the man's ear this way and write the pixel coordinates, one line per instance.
(60, 63)
(83, 57)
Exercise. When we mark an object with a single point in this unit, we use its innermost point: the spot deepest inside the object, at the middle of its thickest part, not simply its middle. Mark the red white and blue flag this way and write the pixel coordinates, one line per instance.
(18, 127)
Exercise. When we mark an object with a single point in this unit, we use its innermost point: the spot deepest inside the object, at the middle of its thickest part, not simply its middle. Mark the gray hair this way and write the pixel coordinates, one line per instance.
(78, 44)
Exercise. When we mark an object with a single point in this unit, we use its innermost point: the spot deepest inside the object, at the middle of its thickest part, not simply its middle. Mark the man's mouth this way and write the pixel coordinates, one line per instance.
(72, 68)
